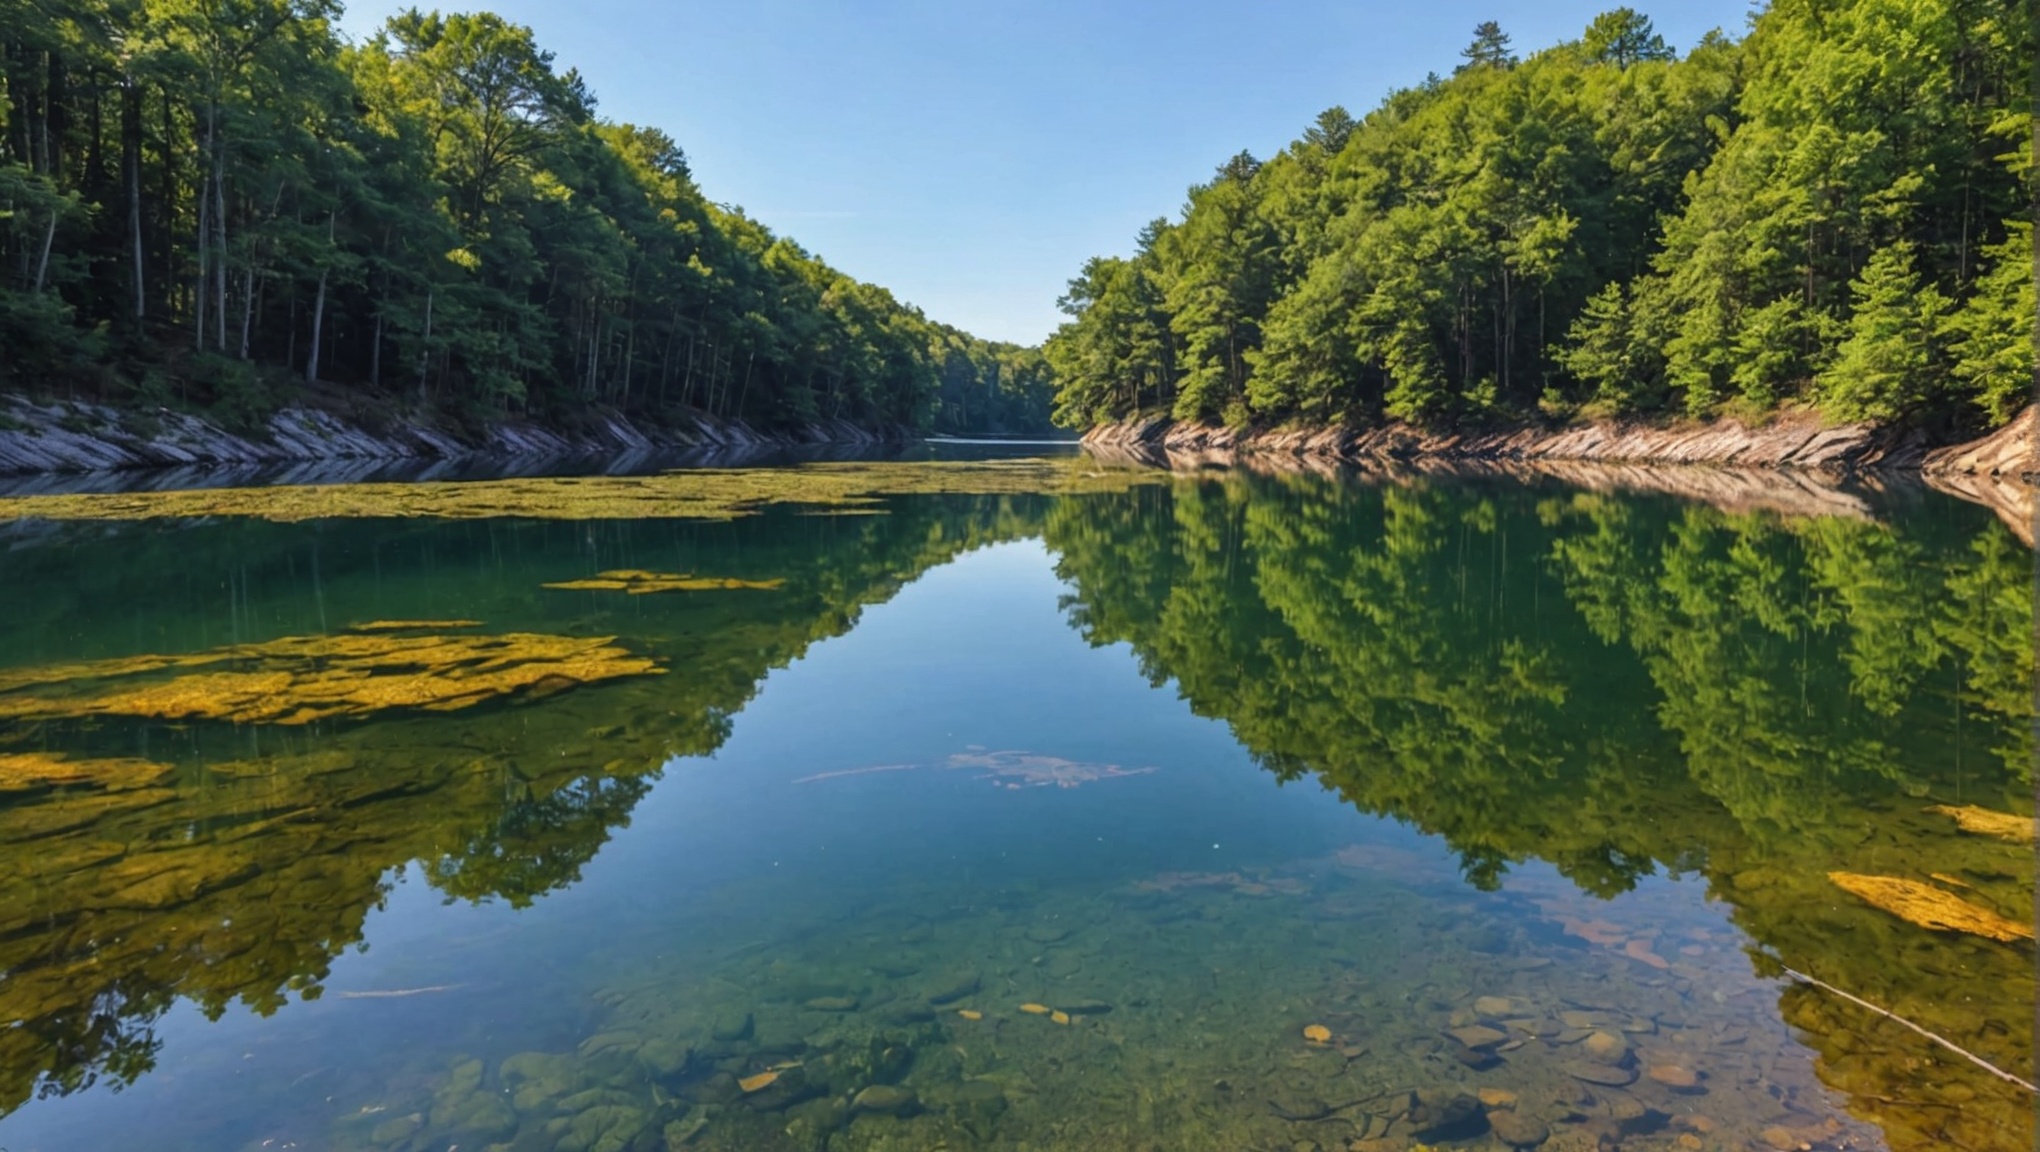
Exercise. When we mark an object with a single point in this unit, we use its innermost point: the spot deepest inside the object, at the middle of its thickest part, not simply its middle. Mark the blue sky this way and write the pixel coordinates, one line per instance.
(970, 154)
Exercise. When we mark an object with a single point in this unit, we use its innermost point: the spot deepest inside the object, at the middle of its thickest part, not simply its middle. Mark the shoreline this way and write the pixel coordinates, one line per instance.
(1792, 466)
(1794, 442)
(77, 437)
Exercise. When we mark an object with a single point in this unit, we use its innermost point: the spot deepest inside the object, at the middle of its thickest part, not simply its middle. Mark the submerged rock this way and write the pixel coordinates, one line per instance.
(1478, 1036)
(1518, 1130)
(730, 1029)
(1085, 1007)
(1604, 1074)
(885, 1098)
(680, 1133)
(1445, 1114)
(1675, 1077)
(955, 987)
(1605, 1047)
(397, 1129)
(605, 1128)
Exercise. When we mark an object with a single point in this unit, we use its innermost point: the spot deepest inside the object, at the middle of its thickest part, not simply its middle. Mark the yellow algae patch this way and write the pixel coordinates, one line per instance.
(970, 1014)
(413, 625)
(2002, 825)
(300, 679)
(637, 582)
(1059, 1017)
(1036, 1009)
(1929, 907)
(29, 771)
(761, 1080)
(694, 494)
(1317, 1034)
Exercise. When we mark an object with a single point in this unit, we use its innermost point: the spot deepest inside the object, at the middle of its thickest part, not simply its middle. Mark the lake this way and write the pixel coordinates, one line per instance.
(1013, 804)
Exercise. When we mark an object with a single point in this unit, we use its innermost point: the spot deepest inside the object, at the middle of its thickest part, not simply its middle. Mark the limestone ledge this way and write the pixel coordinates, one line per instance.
(69, 436)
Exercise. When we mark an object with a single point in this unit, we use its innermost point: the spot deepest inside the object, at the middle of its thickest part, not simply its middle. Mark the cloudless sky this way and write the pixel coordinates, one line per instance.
(970, 154)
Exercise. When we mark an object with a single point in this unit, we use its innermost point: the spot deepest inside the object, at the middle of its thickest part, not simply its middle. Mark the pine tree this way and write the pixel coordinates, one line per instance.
(1892, 357)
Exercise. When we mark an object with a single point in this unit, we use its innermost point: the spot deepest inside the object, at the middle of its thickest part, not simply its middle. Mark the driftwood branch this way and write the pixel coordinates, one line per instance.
(1943, 1041)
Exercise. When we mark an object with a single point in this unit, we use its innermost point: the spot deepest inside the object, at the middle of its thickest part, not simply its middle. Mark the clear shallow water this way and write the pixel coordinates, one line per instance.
(1525, 796)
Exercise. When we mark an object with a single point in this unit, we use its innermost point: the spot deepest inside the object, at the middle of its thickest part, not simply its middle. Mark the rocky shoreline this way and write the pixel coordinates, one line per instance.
(1795, 442)
(1793, 465)
(70, 437)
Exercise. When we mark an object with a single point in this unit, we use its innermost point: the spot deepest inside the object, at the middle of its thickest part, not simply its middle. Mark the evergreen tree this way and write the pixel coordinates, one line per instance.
(1893, 354)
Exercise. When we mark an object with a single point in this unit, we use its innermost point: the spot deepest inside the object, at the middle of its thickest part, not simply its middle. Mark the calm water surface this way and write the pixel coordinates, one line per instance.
(1213, 812)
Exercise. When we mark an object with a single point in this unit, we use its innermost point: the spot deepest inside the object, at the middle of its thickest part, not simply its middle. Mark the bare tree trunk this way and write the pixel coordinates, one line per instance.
(247, 307)
(319, 310)
(131, 171)
(375, 354)
(745, 392)
(425, 355)
(204, 245)
(42, 265)
(219, 183)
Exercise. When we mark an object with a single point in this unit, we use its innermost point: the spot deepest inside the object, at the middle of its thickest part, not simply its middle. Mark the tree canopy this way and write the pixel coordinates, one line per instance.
(203, 201)
(1833, 211)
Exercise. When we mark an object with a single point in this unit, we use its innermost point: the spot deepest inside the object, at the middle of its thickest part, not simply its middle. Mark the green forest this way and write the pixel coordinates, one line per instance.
(1832, 212)
(224, 204)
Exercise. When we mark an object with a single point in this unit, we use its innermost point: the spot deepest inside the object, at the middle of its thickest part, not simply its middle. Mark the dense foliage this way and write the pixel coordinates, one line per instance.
(200, 199)
(1832, 212)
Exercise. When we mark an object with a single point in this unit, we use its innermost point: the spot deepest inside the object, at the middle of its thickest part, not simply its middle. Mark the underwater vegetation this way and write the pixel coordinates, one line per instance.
(296, 680)
(698, 494)
(1930, 907)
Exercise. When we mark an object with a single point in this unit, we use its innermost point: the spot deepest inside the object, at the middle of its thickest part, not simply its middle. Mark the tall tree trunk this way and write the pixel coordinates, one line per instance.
(42, 265)
(204, 244)
(744, 393)
(425, 354)
(247, 308)
(219, 183)
(131, 175)
(319, 309)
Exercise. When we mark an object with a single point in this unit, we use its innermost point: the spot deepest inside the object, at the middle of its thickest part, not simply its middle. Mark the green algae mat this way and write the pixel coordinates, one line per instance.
(1035, 805)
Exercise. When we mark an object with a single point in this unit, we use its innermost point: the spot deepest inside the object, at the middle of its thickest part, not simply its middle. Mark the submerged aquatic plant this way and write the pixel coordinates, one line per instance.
(300, 679)
(1929, 907)
(1987, 822)
(703, 494)
(34, 771)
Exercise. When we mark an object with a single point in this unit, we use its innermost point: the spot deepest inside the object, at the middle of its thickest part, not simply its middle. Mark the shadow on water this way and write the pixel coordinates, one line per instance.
(1579, 694)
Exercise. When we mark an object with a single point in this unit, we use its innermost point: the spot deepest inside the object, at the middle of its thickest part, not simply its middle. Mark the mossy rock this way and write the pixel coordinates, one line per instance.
(605, 1128)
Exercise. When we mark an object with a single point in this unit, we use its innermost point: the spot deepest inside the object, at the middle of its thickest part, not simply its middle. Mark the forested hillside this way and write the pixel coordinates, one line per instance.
(202, 201)
(1833, 211)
